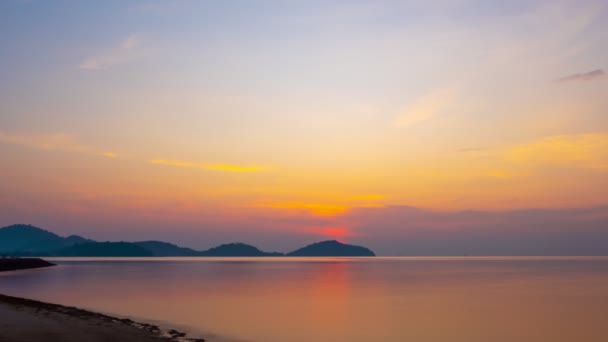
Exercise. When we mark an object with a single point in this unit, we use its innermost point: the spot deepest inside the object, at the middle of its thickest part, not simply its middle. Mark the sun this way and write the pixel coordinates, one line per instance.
(335, 233)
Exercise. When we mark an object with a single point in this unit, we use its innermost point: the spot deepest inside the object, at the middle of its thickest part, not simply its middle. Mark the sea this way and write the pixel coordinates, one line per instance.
(417, 299)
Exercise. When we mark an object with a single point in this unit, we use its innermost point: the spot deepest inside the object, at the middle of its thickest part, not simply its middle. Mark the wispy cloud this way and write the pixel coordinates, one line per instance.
(587, 76)
(426, 108)
(499, 174)
(56, 141)
(211, 167)
(320, 209)
(52, 142)
(580, 150)
(235, 168)
(119, 54)
(336, 206)
(367, 197)
(470, 150)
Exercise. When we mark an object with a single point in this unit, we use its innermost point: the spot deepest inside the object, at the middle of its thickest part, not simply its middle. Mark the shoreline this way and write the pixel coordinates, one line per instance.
(15, 264)
(26, 320)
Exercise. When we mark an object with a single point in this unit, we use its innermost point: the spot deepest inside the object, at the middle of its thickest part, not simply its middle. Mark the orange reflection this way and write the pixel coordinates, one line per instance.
(330, 293)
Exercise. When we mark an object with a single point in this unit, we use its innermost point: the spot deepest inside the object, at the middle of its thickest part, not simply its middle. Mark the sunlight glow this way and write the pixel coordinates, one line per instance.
(212, 167)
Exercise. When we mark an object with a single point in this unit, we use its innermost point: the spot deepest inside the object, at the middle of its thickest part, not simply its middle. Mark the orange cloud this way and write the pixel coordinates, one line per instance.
(235, 168)
(211, 167)
(371, 197)
(499, 174)
(581, 150)
(320, 209)
(332, 205)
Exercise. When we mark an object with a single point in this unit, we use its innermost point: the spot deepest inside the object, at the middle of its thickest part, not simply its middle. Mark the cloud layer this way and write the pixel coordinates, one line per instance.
(402, 230)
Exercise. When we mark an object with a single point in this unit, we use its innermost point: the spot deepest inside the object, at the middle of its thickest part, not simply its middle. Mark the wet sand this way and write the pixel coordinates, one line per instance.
(24, 320)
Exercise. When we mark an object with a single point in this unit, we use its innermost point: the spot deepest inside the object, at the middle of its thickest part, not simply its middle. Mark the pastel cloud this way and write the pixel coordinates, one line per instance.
(55, 141)
(581, 150)
(586, 76)
(426, 108)
(52, 142)
(119, 54)
(211, 167)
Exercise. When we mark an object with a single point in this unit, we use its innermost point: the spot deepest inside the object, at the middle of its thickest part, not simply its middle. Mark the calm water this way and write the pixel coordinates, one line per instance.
(340, 299)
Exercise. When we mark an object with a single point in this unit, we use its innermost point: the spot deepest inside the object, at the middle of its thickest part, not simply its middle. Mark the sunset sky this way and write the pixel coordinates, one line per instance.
(411, 127)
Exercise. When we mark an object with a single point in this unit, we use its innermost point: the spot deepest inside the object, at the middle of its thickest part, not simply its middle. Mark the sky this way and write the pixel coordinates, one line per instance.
(411, 127)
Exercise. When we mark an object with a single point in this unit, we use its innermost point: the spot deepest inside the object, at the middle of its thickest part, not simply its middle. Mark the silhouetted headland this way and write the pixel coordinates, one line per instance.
(27, 240)
(236, 249)
(159, 248)
(101, 249)
(14, 264)
(332, 248)
(32, 240)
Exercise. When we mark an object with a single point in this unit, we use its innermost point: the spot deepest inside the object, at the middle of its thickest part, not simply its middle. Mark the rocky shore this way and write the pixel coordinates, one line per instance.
(25, 320)
(14, 264)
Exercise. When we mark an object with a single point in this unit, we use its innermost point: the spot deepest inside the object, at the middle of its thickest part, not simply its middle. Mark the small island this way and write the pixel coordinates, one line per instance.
(332, 248)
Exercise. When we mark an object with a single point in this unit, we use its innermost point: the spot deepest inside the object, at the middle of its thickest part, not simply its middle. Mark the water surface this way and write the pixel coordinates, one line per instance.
(339, 299)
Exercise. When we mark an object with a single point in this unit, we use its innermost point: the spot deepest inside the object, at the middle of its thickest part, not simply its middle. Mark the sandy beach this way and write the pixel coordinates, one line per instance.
(24, 320)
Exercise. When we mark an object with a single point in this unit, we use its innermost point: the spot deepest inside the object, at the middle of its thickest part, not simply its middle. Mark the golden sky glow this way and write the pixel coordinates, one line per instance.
(213, 167)
(264, 123)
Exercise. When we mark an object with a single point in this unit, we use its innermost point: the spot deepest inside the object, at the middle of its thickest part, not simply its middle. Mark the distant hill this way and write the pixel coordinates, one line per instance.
(159, 248)
(236, 249)
(332, 248)
(27, 239)
(104, 249)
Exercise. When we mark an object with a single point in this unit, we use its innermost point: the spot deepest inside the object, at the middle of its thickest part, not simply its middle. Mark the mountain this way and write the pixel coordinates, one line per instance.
(27, 239)
(332, 248)
(236, 250)
(159, 248)
(43, 246)
(104, 249)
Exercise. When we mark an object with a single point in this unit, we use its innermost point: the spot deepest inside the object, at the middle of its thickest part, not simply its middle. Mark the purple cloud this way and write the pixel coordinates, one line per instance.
(587, 76)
